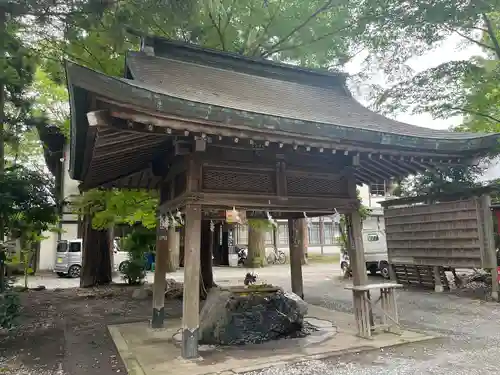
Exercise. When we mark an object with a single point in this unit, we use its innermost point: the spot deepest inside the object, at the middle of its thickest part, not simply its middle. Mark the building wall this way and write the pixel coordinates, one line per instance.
(371, 200)
(69, 221)
(328, 244)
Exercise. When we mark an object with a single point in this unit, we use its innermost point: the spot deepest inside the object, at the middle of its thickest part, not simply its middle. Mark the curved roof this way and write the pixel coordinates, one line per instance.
(269, 96)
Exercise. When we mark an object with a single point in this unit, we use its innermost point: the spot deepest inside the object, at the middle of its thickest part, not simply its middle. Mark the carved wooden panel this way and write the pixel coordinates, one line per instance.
(227, 180)
(440, 234)
(303, 184)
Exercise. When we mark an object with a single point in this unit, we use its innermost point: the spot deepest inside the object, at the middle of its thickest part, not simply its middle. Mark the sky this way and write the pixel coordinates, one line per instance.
(450, 50)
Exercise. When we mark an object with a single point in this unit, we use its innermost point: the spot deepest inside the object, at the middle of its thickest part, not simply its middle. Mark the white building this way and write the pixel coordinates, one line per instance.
(69, 225)
(324, 234)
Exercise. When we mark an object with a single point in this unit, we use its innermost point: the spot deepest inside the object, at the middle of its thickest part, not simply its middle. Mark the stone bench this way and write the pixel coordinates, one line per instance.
(364, 306)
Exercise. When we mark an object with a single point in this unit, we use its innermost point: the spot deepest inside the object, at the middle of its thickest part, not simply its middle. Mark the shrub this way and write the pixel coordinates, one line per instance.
(10, 307)
(139, 242)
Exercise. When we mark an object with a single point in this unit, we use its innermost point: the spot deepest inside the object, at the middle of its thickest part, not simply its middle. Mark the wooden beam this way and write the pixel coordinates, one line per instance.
(117, 138)
(131, 112)
(395, 169)
(368, 177)
(101, 152)
(110, 180)
(374, 169)
(99, 118)
(402, 164)
(272, 202)
(191, 296)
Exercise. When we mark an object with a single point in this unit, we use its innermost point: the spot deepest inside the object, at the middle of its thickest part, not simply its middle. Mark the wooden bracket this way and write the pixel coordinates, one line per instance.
(99, 118)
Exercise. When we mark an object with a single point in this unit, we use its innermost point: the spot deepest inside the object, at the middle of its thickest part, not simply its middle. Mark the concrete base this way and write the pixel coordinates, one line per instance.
(494, 296)
(439, 288)
(146, 351)
(158, 318)
(189, 348)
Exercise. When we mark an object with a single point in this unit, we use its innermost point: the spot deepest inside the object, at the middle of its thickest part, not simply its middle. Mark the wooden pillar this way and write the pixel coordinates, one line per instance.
(357, 255)
(438, 284)
(494, 284)
(191, 299)
(159, 281)
(296, 243)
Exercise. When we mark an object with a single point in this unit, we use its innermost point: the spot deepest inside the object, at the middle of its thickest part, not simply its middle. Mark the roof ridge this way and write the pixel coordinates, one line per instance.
(233, 55)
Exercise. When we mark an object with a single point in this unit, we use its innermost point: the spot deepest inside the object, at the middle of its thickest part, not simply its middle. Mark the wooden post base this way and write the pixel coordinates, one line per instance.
(158, 317)
(189, 348)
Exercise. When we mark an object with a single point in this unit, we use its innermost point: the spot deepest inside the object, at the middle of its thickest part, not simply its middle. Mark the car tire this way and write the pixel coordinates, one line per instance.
(122, 266)
(74, 271)
(385, 271)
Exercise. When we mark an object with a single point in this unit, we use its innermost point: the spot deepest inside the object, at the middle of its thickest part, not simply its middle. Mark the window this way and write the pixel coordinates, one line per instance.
(372, 237)
(75, 247)
(241, 234)
(378, 190)
(328, 233)
(314, 237)
(62, 247)
(269, 237)
(282, 234)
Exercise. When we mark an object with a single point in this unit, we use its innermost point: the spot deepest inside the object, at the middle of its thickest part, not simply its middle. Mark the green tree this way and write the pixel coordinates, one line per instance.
(27, 205)
(444, 180)
(111, 207)
(399, 33)
(308, 33)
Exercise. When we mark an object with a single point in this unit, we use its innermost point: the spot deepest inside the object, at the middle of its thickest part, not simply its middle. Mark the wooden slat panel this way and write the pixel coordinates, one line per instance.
(438, 234)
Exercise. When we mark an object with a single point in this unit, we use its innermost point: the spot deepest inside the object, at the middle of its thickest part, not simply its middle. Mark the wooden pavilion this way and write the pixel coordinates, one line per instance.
(215, 131)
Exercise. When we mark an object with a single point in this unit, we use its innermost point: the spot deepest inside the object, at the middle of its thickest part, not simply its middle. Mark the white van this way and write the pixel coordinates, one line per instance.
(69, 258)
(376, 257)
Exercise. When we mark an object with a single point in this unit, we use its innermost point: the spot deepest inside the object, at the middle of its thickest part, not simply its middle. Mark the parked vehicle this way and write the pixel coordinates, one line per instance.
(376, 258)
(69, 258)
(242, 255)
(344, 261)
(276, 257)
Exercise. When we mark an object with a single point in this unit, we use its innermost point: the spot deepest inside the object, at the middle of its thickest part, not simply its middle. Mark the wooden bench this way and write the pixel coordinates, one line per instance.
(364, 306)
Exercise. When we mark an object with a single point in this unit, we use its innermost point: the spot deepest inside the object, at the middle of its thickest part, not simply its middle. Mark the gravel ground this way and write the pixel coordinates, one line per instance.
(72, 330)
(64, 332)
(470, 342)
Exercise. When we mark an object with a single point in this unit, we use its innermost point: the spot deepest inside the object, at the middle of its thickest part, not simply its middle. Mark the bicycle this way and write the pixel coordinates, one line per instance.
(276, 257)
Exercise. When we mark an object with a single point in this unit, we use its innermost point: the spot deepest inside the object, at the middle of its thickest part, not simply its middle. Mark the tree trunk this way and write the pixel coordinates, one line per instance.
(3, 20)
(256, 245)
(96, 256)
(207, 276)
(304, 235)
(173, 250)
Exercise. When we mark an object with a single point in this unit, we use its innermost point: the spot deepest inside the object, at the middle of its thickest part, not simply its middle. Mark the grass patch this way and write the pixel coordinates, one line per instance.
(327, 258)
